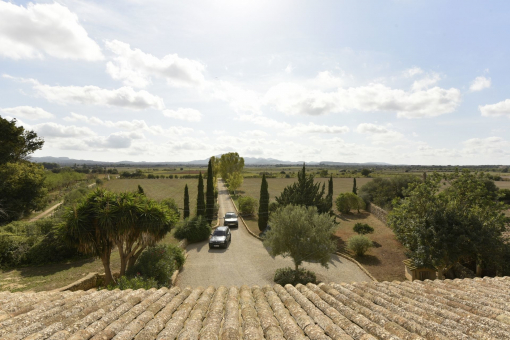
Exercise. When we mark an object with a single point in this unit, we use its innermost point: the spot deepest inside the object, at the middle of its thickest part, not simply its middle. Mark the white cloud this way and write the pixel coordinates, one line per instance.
(499, 109)
(117, 140)
(135, 68)
(28, 112)
(480, 83)
(190, 115)
(288, 69)
(39, 29)
(314, 128)
(379, 134)
(124, 97)
(255, 133)
(484, 146)
(426, 82)
(239, 99)
(412, 72)
(56, 130)
(295, 99)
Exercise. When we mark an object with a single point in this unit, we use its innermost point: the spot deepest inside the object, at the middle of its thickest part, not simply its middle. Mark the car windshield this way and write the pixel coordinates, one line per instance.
(230, 215)
(219, 233)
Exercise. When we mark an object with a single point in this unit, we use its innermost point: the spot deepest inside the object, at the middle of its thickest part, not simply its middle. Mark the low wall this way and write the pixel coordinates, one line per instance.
(378, 212)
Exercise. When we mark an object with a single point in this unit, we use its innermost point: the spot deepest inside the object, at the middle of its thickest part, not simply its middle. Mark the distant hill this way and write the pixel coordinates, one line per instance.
(253, 161)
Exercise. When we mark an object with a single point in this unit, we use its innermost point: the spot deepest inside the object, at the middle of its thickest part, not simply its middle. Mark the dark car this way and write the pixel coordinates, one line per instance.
(231, 220)
(220, 237)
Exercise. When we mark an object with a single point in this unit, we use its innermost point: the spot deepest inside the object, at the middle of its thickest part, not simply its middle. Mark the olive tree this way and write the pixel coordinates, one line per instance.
(347, 201)
(301, 233)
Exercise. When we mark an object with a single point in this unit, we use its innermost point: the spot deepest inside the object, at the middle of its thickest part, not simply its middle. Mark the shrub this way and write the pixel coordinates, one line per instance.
(247, 205)
(158, 263)
(194, 230)
(363, 228)
(347, 201)
(504, 194)
(273, 206)
(288, 275)
(99, 182)
(134, 283)
(171, 204)
(359, 244)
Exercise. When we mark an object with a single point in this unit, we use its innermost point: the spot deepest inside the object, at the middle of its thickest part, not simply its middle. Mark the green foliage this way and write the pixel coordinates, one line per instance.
(329, 197)
(288, 275)
(304, 192)
(158, 262)
(171, 204)
(186, 203)
(362, 228)
(21, 189)
(209, 197)
(323, 173)
(99, 182)
(194, 230)
(354, 187)
(200, 197)
(366, 172)
(137, 282)
(359, 244)
(230, 163)
(17, 143)
(234, 181)
(140, 190)
(382, 191)
(347, 201)
(62, 179)
(273, 206)
(463, 222)
(263, 215)
(504, 194)
(301, 233)
(247, 205)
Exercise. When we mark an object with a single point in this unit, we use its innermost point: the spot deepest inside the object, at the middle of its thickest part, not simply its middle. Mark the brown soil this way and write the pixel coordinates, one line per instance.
(384, 260)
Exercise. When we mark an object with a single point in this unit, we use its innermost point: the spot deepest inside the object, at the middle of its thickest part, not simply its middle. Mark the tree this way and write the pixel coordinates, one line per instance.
(234, 181)
(209, 200)
(247, 205)
(359, 244)
(323, 173)
(301, 233)
(330, 193)
(347, 201)
(17, 143)
(304, 192)
(382, 191)
(171, 204)
(463, 222)
(354, 188)
(21, 189)
(263, 204)
(140, 190)
(365, 172)
(200, 196)
(186, 203)
(230, 163)
(215, 163)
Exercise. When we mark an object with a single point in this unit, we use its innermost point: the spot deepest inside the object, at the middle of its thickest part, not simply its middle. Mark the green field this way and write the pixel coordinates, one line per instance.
(159, 189)
(251, 186)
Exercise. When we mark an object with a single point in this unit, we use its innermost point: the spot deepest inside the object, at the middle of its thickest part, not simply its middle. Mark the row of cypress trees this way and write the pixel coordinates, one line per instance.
(205, 202)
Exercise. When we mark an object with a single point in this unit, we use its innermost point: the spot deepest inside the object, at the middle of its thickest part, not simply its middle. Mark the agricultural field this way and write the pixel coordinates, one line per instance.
(159, 189)
(251, 186)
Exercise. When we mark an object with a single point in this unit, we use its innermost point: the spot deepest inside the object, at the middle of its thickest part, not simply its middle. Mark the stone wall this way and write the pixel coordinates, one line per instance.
(378, 212)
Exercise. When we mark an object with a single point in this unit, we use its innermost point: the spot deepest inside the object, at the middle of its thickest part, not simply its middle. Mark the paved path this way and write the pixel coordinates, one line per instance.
(246, 260)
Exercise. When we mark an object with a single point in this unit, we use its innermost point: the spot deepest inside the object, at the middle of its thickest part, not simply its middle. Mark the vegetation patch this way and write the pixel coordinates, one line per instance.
(288, 275)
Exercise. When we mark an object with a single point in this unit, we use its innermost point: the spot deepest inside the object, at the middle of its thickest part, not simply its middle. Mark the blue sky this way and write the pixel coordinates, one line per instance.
(403, 82)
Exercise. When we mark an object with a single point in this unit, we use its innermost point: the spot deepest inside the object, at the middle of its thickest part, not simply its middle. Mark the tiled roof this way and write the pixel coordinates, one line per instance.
(449, 309)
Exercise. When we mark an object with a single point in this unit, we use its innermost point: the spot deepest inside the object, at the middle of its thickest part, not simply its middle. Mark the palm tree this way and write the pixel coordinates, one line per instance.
(130, 221)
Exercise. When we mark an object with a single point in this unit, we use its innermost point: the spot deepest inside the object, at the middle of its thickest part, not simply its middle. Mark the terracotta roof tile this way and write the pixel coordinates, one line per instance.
(450, 309)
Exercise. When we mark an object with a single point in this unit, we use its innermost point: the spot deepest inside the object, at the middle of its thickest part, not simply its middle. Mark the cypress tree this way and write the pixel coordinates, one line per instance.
(354, 189)
(140, 190)
(263, 204)
(330, 192)
(209, 196)
(200, 196)
(186, 202)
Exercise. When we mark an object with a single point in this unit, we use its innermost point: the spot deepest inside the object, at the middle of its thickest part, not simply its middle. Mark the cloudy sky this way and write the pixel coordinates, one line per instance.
(397, 81)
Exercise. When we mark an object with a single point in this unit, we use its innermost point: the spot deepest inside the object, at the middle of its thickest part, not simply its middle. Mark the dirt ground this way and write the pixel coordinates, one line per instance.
(384, 260)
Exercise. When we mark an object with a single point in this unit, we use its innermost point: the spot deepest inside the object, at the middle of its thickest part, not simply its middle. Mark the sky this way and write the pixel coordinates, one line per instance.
(395, 81)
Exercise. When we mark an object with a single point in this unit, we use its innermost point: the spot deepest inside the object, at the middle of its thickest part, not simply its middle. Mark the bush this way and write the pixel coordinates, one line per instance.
(273, 206)
(504, 194)
(158, 263)
(359, 244)
(247, 205)
(99, 182)
(362, 229)
(134, 283)
(194, 230)
(347, 201)
(171, 204)
(288, 275)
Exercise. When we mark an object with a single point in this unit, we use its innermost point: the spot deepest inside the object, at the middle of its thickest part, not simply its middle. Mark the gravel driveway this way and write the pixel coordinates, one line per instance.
(246, 260)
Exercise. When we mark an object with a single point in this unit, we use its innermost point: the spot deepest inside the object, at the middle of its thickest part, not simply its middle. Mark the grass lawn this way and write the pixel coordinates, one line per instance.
(384, 260)
(52, 276)
(159, 189)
